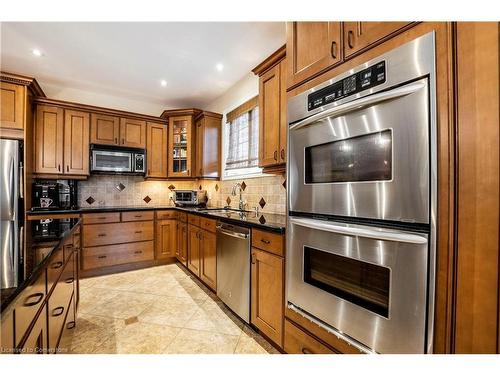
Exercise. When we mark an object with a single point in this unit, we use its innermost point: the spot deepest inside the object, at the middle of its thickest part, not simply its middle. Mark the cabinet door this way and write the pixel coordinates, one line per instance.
(12, 105)
(49, 139)
(311, 47)
(360, 35)
(166, 238)
(209, 259)
(76, 142)
(283, 112)
(132, 133)
(104, 130)
(7, 333)
(209, 149)
(180, 146)
(199, 126)
(156, 150)
(36, 342)
(182, 242)
(68, 328)
(193, 261)
(267, 294)
(269, 115)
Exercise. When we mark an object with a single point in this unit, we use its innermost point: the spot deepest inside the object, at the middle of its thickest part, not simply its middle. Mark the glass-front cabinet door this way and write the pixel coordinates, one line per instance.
(180, 142)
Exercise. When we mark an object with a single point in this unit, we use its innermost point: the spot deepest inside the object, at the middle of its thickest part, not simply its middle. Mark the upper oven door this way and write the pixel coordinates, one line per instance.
(366, 158)
(112, 161)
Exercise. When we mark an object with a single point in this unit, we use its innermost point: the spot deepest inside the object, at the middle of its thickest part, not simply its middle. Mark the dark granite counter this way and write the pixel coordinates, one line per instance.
(272, 222)
(38, 255)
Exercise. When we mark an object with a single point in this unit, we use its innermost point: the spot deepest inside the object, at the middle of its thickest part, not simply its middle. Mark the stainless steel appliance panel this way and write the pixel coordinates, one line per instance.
(111, 161)
(233, 268)
(392, 273)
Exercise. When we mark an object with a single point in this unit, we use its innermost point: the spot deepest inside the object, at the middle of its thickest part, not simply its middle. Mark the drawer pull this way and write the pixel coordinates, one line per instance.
(101, 235)
(70, 280)
(102, 256)
(306, 351)
(138, 252)
(267, 242)
(138, 231)
(137, 215)
(38, 296)
(56, 265)
(70, 325)
(58, 311)
(101, 218)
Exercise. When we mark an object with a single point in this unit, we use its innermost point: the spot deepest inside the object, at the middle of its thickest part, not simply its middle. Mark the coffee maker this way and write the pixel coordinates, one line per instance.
(54, 195)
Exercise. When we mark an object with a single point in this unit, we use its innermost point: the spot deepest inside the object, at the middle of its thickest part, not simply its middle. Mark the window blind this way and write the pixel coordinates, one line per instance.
(243, 145)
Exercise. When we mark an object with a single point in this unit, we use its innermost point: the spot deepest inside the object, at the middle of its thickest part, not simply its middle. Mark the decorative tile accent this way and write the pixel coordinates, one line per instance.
(131, 320)
(90, 200)
(120, 187)
(228, 200)
(262, 219)
(284, 184)
(262, 202)
(243, 186)
(146, 199)
(171, 187)
(216, 187)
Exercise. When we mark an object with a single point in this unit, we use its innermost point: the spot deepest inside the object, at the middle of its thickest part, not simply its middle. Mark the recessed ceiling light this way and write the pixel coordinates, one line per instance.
(36, 52)
(163, 83)
(219, 67)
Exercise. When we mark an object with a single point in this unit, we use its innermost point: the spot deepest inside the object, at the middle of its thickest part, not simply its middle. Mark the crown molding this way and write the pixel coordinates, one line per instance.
(271, 61)
(19, 79)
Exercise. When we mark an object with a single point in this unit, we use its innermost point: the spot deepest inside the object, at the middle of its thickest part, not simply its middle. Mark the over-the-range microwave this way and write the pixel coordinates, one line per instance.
(117, 160)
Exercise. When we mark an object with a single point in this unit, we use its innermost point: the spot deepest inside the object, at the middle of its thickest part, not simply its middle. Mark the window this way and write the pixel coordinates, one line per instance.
(241, 141)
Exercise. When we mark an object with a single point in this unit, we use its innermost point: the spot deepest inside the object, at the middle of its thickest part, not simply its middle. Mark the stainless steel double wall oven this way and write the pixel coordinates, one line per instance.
(362, 202)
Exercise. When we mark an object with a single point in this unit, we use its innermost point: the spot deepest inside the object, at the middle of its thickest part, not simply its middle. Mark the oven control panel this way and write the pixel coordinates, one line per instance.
(365, 79)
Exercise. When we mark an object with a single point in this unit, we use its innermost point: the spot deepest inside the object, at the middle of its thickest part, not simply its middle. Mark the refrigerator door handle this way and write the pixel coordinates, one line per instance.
(21, 180)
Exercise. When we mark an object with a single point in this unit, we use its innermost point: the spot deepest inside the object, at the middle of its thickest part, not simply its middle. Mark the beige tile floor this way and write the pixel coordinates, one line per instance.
(157, 310)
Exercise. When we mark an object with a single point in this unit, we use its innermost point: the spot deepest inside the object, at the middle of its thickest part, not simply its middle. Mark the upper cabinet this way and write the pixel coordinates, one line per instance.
(61, 141)
(312, 47)
(272, 111)
(132, 133)
(180, 146)
(208, 145)
(104, 129)
(156, 150)
(360, 35)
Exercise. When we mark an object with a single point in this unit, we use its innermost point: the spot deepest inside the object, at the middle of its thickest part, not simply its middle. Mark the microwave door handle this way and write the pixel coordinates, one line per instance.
(360, 103)
(385, 235)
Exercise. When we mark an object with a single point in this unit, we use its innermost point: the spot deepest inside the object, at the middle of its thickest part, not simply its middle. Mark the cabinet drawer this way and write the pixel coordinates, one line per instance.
(194, 220)
(110, 217)
(298, 341)
(55, 268)
(268, 241)
(182, 216)
(167, 214)
(137, 216)
(110, 234)
(104, 256)
(208, 224)
(27, 306)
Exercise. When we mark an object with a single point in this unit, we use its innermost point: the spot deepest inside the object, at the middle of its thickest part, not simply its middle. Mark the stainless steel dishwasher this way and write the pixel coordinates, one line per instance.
(233, 268)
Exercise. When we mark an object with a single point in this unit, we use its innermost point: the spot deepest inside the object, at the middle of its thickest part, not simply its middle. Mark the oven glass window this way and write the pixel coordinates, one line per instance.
(363, 158)
(116, 162)
(365, 284)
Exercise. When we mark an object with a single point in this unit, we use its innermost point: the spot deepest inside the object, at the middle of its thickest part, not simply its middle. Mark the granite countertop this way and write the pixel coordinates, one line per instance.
(38, 254)
(266, 221)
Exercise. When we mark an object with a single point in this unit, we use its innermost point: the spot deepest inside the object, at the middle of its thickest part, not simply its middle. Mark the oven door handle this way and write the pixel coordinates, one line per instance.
(385, 234)
(360, 103)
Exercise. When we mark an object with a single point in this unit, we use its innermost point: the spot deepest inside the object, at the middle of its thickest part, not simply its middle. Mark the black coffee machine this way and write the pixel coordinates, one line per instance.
(54, 195)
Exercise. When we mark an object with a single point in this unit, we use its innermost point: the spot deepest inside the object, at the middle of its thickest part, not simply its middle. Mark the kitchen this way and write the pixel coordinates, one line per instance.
(334, 192)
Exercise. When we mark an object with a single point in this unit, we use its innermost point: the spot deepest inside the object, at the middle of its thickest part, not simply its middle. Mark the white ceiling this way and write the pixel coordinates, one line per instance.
(128, 60)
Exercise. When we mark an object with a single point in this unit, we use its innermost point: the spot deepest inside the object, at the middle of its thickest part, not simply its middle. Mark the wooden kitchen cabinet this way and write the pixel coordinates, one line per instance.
(360, 35)
(132, 133)
(12, 105)
(156, 150)
(182, 243)
(208, 259)
(166, 238)
(208, 145)
(298, 341)
(180, 146)
(193, 260)
(37, 340)
(312, 47)
(7, 332)
(76, 142)
(104, 129)
(49, 140)
(267, 294)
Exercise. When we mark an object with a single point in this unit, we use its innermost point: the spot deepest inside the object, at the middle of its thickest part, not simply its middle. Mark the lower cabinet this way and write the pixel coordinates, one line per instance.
(182, 243)
(208, 259)
(68, 328)
(166, 238)
(112, 255)
(36, 341)
(193, 261)
(298, 341)
(267, 294)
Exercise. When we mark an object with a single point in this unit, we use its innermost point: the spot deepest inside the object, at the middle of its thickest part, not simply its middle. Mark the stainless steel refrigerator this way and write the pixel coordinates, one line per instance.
(11, 212)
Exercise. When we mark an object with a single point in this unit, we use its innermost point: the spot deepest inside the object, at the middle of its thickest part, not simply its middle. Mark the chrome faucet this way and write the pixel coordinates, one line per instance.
(242, 203)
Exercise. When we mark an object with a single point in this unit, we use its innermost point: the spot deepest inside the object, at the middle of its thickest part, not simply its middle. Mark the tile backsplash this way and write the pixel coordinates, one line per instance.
(267, 192)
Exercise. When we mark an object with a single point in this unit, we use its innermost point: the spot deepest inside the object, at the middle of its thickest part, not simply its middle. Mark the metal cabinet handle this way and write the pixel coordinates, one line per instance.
(306, 351)
(101, 218)
(350, 39)
(70, 325)
(70, 280)
(102, 256)
(123, 141)
(116, 140)
(137, 215)
(276, 155)
(138, 252)
(67, 168)
(253, 258)
(138, 231)
(283, 154)
(334, 49)
(56, 265)
(267, 242)
(38, 296)
(58, 311)
(101, 235)
(59, 167)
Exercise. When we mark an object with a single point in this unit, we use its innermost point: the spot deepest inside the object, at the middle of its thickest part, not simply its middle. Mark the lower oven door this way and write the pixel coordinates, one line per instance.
(368, 284)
